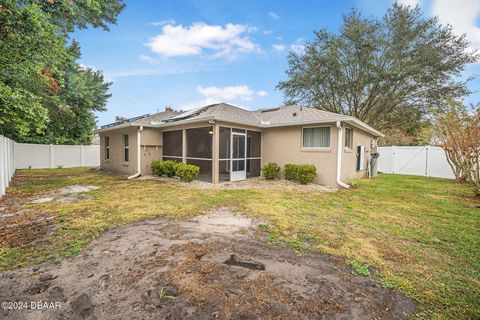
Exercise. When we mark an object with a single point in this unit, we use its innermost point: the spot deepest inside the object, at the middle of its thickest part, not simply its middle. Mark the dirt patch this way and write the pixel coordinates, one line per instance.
(249, 184)
(24, 225)
(172, 269)
(67, 194)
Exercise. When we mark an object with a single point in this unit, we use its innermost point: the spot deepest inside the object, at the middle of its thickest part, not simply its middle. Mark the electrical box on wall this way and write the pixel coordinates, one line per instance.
(360, 158)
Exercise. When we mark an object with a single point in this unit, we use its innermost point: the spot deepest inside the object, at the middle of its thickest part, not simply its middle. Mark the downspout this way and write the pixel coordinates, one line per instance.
(139, 171)
(339, 157)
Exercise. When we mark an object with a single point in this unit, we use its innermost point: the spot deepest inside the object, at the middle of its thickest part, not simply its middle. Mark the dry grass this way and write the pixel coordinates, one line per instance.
(422, 235)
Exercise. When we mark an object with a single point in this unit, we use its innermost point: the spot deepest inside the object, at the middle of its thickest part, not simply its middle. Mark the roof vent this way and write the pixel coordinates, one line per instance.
(294, 114)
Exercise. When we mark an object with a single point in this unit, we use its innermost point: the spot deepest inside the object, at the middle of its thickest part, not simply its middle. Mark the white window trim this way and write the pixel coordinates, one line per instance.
(317, 148)
(351, 139)
(193, 158)
(126, 147)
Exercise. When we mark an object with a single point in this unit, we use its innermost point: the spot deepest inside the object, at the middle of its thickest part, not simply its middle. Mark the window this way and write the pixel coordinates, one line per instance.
(316, 138)
(172, 144)
(348, 138)
(125, 147)
(107, 148)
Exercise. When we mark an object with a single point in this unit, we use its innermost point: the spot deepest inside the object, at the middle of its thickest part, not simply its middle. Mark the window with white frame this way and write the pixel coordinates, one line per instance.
(348, 138)
(316, 137)
(107, 148)
(125, 147)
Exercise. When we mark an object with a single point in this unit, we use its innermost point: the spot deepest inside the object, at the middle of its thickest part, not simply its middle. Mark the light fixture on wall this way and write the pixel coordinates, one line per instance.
(210, 132)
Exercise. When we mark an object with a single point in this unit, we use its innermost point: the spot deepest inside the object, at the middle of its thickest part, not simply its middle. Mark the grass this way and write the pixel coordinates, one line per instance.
(359, 268)
(421, 235)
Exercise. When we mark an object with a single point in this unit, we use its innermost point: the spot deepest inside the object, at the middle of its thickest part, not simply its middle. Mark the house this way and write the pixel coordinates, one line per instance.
(229, 143)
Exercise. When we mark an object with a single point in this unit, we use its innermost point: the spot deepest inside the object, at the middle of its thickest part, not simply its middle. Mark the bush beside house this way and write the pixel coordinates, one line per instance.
(170, 168)
(303, 173)
(270, 170)
(187, 172)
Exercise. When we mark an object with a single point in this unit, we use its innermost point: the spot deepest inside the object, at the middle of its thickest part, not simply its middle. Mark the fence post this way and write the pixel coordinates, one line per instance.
(8, 162)
(5, 168)
(2, 163)
(393, 160)
(50, 152)
(82, 156)
(13, 158)
(427, 169)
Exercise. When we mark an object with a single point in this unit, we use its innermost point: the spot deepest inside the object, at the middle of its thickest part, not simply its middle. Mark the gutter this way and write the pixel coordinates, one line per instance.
(120, 126)
(339, 156)
(139, 171)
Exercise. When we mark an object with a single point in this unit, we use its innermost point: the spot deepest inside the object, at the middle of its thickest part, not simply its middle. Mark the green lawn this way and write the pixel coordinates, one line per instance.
(421, 235)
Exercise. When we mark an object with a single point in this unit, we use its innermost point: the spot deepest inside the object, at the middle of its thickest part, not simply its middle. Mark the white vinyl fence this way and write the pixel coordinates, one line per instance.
(40, 156)
(418, 161)
(7, 163)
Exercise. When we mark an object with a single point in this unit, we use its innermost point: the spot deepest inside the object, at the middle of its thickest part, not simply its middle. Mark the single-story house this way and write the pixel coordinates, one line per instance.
(229, 143)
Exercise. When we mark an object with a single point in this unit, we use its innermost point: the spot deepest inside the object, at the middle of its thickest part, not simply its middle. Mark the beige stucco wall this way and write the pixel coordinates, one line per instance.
(349, 157)
(284, 145)
(150, 148)
(116, 163)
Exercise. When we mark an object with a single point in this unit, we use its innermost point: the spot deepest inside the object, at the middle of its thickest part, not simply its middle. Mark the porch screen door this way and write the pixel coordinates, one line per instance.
(239, 159)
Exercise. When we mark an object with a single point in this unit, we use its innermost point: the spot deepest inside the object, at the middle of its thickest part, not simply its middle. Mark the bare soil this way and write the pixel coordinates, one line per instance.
(177, 269)
(20, 226)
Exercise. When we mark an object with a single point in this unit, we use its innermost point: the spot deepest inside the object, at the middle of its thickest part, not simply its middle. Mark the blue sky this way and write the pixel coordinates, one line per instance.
(188, 53)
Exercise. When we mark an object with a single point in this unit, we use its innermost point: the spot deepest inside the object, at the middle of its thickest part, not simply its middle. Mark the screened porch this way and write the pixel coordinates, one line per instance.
(234, 155)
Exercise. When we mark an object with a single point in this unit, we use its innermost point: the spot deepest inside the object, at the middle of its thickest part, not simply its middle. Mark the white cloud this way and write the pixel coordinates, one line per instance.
(411, 3)
(262, 93)
(221, 41)
(83, 66)
(229, 93)
(279, 47)
(273, 15)
(148, 59)
(162, 23)
(461, 15)
(297, 48)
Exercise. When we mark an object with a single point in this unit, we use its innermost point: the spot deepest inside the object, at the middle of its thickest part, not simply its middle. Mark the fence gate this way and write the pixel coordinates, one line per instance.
(417, 160)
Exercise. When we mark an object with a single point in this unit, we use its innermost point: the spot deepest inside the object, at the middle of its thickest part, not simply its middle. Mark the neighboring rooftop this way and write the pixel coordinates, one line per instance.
(273, 117)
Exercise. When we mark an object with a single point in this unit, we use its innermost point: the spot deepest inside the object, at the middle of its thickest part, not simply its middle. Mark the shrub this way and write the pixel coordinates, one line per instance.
(155, 166)
(187, 172)
(303, 173)
(353, 182)
(290, 172)
(306, 173)
(168, 168)
(270, 170)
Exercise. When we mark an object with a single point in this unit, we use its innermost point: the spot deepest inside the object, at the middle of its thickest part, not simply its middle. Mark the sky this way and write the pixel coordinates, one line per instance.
(184, 54)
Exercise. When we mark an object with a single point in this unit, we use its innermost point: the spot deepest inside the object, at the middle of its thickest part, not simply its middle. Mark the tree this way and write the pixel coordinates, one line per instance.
(29, 54)
(72, 121)
(457, 129)
(387, 72)
(69, 14)
(40, 82)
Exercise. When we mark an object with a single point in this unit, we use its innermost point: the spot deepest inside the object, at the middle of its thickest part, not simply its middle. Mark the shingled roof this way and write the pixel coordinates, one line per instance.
(264, 118)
